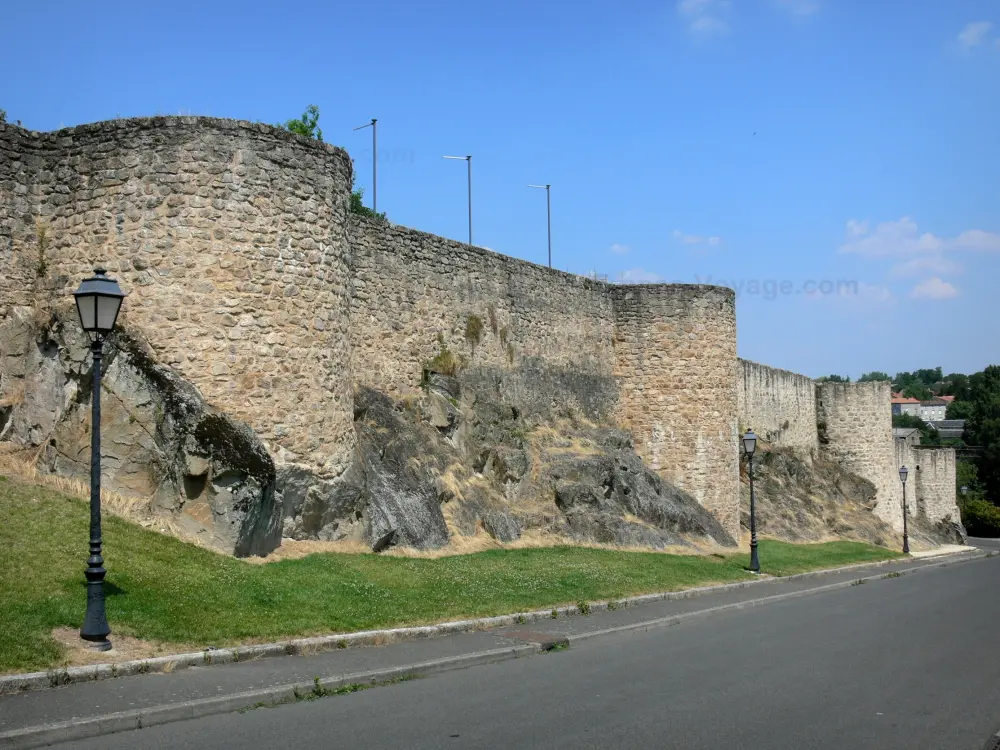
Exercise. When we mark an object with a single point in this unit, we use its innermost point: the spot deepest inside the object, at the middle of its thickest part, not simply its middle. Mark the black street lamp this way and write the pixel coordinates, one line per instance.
(98, 301)
(965, 490)
(903, 471)
(749, 446)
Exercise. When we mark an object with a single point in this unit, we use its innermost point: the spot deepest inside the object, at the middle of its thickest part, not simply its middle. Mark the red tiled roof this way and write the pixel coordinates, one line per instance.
(949, 399)
(900, 400)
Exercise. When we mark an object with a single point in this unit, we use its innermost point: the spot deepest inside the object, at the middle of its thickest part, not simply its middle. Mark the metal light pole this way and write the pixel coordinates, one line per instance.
(374, 128)
(548, 211)
(468, 160)
(98, 301)
(903, 471)
(749, 446)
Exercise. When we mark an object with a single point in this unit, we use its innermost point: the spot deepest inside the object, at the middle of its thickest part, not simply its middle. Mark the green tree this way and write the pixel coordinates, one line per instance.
(875, 375)
(918, 391)
(956, 385)
(959, 410)
(982, 427)
(307, 125)
(833, 379)
(928, 435)
(967, 475)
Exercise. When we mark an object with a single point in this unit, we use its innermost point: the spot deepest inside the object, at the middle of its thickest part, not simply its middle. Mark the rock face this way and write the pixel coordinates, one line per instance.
(810, 501)
(159, 439)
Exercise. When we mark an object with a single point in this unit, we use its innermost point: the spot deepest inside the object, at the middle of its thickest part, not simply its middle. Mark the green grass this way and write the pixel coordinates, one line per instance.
(164, 590)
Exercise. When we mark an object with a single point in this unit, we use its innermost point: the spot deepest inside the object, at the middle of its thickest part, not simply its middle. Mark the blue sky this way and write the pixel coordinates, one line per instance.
(846, 148)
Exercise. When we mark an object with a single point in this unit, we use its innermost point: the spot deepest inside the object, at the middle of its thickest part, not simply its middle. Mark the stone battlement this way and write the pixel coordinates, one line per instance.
(247, 274)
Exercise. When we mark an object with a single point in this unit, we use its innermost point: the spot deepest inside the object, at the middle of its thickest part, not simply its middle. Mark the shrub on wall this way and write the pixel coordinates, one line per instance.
(358, 206)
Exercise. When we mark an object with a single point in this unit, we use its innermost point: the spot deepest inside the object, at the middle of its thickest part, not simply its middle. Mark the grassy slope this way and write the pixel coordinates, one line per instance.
(163, 589)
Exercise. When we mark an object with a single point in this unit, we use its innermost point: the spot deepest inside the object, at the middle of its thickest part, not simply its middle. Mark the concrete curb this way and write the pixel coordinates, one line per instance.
(69, 731)
(19, 683)
(751, 603)
(37, 736)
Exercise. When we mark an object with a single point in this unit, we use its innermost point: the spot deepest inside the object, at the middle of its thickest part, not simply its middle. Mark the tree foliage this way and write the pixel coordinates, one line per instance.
(833, 379)
(918, 391)
(982, 427)
(307, 125)
(959, 410)
(927, 378)
(358, 207)
(874, 375)
(928, 435)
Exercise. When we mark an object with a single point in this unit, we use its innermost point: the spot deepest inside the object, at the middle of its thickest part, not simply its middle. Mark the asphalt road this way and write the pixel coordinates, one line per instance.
(910, 662)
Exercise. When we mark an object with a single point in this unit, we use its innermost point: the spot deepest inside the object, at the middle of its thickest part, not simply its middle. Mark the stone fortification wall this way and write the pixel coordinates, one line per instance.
(247, 275)
(855, 430)
(779, 405)
(539, 336)
(675, 358)
(936, 496)
(19, 171)
(930, 486)
(658, 358)
(230, 239)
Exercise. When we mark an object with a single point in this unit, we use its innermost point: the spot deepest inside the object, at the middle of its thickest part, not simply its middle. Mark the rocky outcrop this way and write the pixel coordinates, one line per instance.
(160, 440)
(802, 500)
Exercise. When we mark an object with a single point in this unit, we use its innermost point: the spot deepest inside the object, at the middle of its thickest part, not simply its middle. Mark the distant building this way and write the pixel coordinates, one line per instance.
(949, 428)
(909, 434)
(902, 405)
(933, 410)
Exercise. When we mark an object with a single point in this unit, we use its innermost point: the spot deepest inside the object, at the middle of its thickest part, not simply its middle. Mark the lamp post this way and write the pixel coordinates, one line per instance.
(374, 128)
(548, 213)
(903, 471)
(965, 490)
(468, 160)
(98, 301)
(749, 446)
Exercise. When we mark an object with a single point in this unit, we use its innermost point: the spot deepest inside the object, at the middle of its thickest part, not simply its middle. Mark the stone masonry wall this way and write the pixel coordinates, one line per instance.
(658, 358)
(930, 487)
(248, 276)
(520, 326)
(19, 167)
(779, 405)
(675, 351)
(936, 496)
(230, 238)
(855, 430)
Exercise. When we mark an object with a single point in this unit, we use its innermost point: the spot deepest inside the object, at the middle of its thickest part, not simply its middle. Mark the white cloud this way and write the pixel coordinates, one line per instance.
(704, 17)
(856, 228)
(694, 239)
(934, 288)
(799, 7)
(903, 238)
(974, 34)
(619, 249)
(936, 264)
(639, 276)
(977, 239)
